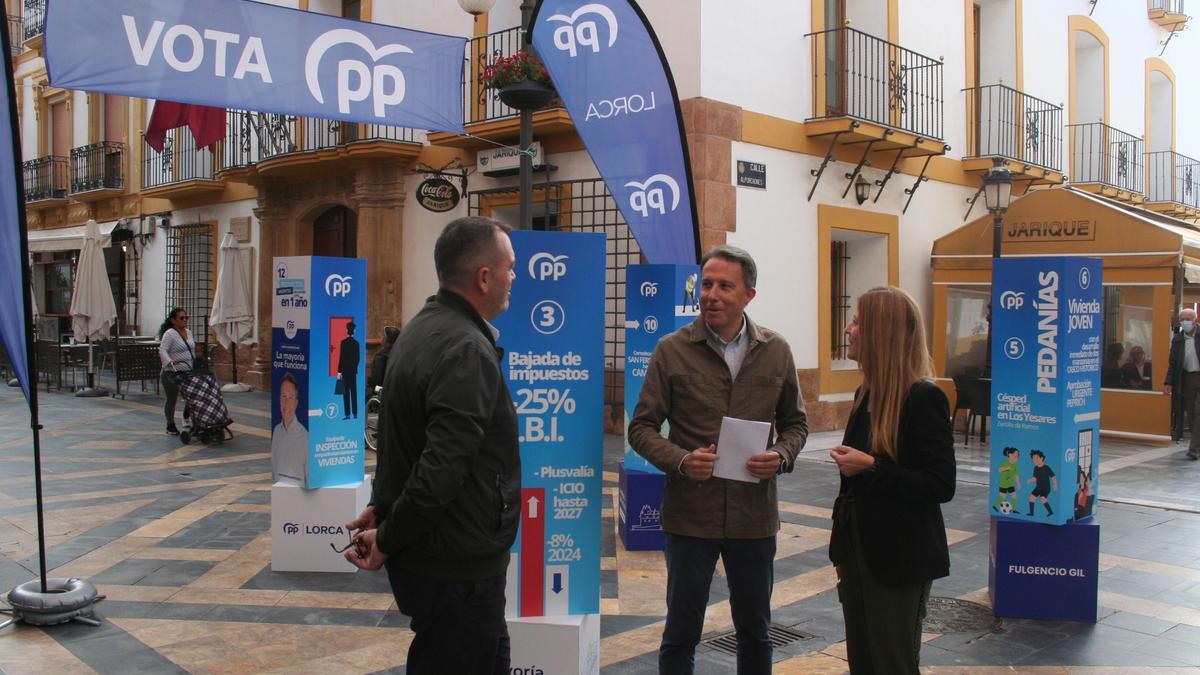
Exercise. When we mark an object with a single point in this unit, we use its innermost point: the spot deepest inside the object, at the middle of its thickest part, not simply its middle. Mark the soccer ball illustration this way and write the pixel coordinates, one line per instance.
(1005, 507)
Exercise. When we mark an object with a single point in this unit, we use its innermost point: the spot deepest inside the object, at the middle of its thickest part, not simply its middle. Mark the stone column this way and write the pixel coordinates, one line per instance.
(379, 194)
(711, 128)
(277, 237)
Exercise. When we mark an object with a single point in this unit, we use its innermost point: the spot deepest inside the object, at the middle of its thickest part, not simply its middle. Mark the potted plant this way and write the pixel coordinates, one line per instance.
(521, 82)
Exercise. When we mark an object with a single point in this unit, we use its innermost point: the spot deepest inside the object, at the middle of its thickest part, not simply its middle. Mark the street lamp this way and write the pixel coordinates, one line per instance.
(862, 190)
(997, 192)
(476, 7)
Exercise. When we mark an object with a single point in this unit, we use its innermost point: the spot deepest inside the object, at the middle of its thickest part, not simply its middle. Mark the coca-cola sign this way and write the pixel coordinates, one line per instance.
(437, 194)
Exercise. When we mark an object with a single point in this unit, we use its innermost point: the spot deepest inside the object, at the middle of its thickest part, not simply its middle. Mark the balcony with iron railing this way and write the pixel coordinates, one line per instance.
(270, 143)
(180, 169)
(1167, 13)
(98, 170)
(35, 22)
(870, 95)
(1107, 161)
(1173, 185)
(1023, 131)
(45, 180)
(16, 34)
(486, 117)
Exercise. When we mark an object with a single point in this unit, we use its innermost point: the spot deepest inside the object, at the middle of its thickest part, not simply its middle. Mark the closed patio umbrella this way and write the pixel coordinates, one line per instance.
(93, 311)
(232, 314)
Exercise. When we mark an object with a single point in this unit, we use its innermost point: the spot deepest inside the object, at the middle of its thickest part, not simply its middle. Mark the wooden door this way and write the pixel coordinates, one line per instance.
(335, 233)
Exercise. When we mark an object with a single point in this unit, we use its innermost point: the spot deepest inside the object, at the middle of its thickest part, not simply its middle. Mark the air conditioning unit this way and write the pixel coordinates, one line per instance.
(507, 161)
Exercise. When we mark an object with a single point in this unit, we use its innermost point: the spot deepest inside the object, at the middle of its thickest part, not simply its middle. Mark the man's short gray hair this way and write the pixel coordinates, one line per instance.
(1187, 309)
(737, 255)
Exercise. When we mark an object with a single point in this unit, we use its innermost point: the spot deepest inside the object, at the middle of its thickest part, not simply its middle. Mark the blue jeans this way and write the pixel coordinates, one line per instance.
(750, 571)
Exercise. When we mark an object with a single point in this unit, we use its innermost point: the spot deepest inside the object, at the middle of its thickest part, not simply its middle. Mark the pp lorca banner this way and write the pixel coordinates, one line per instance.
(1045, 388)
(612, 77)
(239, 54)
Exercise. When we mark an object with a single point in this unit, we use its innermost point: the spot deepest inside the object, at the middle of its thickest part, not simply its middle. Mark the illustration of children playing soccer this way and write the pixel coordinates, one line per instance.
(1009, 473)
(1044, 477)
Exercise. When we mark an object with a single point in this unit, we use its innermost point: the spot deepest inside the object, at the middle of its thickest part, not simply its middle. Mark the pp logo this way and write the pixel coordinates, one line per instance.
(1069, 455)
(337, 286)
(577, 34)
(547, 265)
(383, 82)
(647, 195)
(1012, 299)
(289, 329)
(649, 289)
(290, 528)
(651, 324)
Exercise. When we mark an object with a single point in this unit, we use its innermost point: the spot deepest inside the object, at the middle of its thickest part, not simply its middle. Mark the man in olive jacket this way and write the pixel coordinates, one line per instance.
(721, 365)
(443, 511)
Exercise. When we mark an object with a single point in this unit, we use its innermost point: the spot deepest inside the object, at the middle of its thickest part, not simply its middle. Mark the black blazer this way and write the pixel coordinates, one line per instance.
(1174, 376)
(899, 519)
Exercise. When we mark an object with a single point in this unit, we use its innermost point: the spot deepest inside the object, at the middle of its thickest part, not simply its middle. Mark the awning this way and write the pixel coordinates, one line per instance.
(67, 238)
(1063, 221)
(1191, 273)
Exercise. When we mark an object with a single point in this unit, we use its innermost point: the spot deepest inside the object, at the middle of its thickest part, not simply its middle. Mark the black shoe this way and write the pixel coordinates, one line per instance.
(172, 429)
(1193, 456)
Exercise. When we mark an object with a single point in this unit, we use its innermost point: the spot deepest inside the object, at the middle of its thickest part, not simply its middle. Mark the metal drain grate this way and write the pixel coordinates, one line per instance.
(779, 635)
(951, 615)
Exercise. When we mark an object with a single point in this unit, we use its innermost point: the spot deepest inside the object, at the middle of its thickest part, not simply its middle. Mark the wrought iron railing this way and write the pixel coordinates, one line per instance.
(45, 178)
(1173, 178)
(1004, 122)
(252, 137)
(856, 74)
(1169, 6)
(98, 166)
(16, 34)
(1106, 155)
(179, 161)
(480, 103)
(35, 18)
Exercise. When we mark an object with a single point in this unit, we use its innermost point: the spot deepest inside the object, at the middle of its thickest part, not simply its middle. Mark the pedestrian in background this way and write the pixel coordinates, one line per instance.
(444, 502)
(897, 466)
(379, 363)
(1183, 380)
(176, 351)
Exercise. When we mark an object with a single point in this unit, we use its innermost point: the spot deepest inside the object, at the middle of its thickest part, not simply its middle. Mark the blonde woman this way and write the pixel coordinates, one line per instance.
(897, 466)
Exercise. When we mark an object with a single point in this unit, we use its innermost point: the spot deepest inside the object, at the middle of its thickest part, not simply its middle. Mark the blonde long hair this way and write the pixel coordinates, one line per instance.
(893, 356)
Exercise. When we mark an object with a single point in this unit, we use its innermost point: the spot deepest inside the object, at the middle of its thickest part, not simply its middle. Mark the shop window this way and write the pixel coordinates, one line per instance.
(967, 329)
(1128, 330)
(190, 274)
(59, 279)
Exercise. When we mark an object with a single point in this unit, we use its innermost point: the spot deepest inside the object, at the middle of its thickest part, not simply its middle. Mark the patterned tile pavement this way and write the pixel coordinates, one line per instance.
(177, 538)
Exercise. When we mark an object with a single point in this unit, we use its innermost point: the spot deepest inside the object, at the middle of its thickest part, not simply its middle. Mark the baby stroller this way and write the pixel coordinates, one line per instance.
(210, 417)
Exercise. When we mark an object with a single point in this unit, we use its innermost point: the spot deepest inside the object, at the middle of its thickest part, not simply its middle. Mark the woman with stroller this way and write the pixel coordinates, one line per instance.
(176, 351)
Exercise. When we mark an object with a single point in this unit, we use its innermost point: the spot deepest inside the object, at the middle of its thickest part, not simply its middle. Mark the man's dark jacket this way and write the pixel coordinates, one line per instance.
(448, 481)
(1175, 364)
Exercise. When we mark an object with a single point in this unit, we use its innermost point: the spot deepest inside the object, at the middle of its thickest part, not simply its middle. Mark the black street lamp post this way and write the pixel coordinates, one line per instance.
(997, 192)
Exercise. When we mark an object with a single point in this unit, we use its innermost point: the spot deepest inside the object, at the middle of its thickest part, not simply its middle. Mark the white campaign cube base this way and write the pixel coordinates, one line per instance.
(305, 522)
(555, 645)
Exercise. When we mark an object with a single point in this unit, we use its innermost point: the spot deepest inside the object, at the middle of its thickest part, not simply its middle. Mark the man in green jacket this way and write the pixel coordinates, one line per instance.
(720, 365)
(443, 511)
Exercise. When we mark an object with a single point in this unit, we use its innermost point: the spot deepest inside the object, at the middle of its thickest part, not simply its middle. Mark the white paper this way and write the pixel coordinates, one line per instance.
(739, 441)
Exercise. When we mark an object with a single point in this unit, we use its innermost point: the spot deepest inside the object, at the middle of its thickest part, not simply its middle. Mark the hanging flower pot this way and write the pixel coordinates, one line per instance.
(521, 82)
(526, 95)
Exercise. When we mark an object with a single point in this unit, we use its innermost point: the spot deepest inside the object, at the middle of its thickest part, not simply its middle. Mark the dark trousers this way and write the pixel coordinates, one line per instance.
(171, 389)
(349, 395)
(750, 571)
(883, 623)
(1191, 409)
(458, 626)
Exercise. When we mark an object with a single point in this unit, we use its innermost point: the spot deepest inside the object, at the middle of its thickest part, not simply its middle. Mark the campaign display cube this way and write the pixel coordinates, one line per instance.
(639, 507)
(555, 644)
(1039, 571)
(305, 522)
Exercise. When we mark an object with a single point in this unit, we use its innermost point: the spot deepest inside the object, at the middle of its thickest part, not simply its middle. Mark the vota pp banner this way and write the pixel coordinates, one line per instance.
(553, 362)
(1045, 388)
(240, 54)
(613, 79)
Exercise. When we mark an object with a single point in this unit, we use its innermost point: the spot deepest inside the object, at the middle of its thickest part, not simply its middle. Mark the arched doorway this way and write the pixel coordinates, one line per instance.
(335, 233)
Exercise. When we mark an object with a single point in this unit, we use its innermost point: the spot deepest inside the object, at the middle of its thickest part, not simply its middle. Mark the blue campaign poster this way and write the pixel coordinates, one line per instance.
(318, 370)
(1045, 388)
(553, 341)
